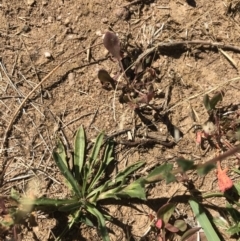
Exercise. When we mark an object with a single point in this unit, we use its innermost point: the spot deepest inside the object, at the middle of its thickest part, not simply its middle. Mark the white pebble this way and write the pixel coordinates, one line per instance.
(30, 2)
(104, 20)
(99, 33)
(47, 55)
(67, 21)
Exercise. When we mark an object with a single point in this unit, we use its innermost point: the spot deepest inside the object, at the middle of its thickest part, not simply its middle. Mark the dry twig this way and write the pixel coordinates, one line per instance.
(186, 43)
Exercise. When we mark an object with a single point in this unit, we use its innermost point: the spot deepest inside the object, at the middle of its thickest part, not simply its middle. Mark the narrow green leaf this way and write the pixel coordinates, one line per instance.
(94, 199)
(95, 152)
(205, 223)
(67, 174)
(206, 102)
(237, 187)
(119, 180)
(221, 223)
(105, 162)
(101, 222)
(79, 152)
(70, 207)
(159, 173)
(112, 193)
(96, 147)
(185, 164)
(236, 170)
(165, 212)
(77, 215)
(213, 194)
(235, 229)
(62, 153)
(87, 221)
(121, 176)
(205, 169)
(235, 214)
(100, 189)
(134, 190)
(50, 202)
(91, 164)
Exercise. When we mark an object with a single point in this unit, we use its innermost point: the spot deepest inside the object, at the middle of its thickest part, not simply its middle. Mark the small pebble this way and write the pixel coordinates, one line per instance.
(71, 78)
(104, 20)
(72, 36)
(44, 2)
(122, 13)
(50, 19)
(99, 33)
(47, 55)
(30, 2)
(67, 21)
(26, 28)
(59, 18)
(105, 52)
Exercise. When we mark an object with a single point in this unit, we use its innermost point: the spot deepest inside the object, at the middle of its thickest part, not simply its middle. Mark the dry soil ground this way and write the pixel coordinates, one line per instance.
(37, 35)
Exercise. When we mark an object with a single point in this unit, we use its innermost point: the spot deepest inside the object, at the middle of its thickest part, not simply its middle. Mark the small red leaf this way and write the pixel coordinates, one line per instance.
(224, 181)
(159, 223)
(199, 138)
(171, 228)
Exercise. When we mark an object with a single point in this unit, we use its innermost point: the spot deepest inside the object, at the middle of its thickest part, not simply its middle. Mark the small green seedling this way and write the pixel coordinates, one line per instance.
(210, 104)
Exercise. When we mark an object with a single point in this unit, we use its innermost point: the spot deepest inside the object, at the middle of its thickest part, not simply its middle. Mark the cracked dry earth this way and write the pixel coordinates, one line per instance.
(37, 35)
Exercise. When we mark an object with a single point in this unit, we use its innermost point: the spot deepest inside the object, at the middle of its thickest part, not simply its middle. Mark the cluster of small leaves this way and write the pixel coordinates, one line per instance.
(132, 89)
(210, 104)
(169, 225)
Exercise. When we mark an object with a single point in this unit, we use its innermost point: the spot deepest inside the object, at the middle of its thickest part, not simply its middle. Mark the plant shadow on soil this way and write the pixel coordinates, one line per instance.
(153, 204)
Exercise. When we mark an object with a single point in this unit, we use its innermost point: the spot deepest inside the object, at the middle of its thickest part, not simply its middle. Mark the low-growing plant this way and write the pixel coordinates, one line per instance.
(88, 183)
(168, 226)
(137, 88)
